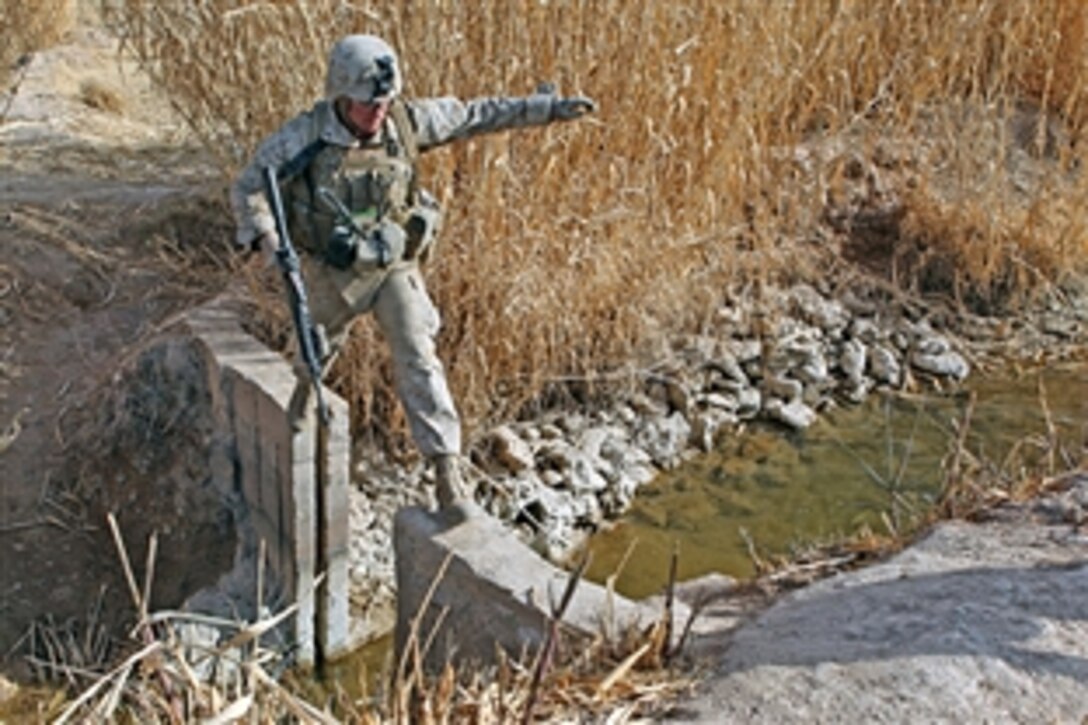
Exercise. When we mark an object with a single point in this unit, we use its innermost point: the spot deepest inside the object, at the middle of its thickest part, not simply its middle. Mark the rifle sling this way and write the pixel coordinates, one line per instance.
(300, 161)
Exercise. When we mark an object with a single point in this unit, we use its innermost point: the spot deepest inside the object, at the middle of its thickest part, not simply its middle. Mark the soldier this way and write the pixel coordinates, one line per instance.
(356, 212)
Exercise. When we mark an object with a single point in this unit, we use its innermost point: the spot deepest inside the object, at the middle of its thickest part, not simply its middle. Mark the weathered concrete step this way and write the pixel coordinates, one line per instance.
(496, 591)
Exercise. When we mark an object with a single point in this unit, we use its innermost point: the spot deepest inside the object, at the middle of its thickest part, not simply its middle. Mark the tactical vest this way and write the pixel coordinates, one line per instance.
(377, 184)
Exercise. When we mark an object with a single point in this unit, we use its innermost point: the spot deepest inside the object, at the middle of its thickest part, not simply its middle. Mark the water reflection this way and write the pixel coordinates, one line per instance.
(875, 465)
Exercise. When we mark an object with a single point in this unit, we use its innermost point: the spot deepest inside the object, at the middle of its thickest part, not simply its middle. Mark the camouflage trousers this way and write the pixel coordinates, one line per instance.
(409, 322)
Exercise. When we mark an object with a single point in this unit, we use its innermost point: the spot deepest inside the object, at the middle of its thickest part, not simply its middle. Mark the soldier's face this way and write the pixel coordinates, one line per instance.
(364, 119)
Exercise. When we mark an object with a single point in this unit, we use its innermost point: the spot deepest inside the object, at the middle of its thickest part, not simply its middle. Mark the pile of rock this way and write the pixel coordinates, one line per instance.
(562, 476)
(570, 472)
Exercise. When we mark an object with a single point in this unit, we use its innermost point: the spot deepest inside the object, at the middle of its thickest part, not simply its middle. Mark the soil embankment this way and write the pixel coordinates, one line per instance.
(105, 235)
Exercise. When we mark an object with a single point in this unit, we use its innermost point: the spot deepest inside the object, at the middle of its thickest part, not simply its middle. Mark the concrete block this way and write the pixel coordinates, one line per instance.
(272, 373)
(304, 522)
(295, 488)
(496, 591)
(247, 438)
(275, 458)
(334, 620)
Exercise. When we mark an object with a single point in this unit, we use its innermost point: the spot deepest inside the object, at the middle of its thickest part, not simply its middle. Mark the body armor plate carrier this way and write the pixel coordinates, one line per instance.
(366, 212)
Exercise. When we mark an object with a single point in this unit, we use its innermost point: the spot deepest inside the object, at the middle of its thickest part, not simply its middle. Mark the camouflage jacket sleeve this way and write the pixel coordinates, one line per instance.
(252, 214)
(442, 120)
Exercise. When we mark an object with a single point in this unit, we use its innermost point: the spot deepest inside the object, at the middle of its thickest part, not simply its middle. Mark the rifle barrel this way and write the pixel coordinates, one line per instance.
(289, 265)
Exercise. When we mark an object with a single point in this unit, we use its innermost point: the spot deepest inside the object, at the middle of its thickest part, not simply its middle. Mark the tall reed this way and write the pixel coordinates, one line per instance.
(572, 248)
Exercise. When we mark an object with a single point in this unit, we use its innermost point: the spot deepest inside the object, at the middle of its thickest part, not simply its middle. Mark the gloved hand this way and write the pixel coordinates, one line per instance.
(265, 244)
(569, 109)
(566, 109)
(383, 245)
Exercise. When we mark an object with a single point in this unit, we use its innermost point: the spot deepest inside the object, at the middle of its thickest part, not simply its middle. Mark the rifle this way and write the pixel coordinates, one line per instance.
(288, 262)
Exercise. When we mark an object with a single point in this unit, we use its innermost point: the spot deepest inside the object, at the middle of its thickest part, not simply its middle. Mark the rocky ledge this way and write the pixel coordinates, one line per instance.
(977, 622)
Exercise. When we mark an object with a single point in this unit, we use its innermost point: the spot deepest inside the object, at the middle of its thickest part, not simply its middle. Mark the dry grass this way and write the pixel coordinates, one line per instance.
(96, 94)
(1036, 464)
(160, 678)
(569, 250)
(27, 26)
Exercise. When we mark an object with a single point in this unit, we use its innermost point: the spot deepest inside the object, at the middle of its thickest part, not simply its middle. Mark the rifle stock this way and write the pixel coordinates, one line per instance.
(289, 265)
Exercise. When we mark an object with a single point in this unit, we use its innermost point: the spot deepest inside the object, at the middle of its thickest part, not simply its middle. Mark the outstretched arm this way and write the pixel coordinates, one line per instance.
(442, 120)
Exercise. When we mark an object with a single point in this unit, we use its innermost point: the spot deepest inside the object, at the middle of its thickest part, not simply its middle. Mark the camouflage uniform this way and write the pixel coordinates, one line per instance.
(374, 181)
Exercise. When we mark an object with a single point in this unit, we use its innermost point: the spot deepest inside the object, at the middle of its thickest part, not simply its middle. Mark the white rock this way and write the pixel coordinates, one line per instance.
(852, 361)
(749, 403)
(780, 386)
(864, 329)
(744, 350)
(795, 414)
(717, 400)
(553, 479)
(933, 345)
(626, 414)
(949, 364)
(884, 365)
(593, 439)
(571, 423)
(556, 454)
(510, 450)
(664, 439)
(814, 371)
(550, 432)
(583, 477)
(827, 314)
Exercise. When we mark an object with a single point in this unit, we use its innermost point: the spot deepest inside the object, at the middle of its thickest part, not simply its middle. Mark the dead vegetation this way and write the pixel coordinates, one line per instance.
(1034, 465)
(29, 26)
(571, 250)
(164, 677)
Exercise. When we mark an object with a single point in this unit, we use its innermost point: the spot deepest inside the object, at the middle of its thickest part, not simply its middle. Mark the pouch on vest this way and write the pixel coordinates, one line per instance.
(382, 245)
(422, 226)
(362, 247)
(358, 238)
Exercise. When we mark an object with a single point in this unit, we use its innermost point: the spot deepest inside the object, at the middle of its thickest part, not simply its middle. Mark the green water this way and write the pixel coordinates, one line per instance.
(872, 465)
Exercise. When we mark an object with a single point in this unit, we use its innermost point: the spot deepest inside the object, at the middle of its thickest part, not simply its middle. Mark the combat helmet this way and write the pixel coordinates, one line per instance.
(364, 68)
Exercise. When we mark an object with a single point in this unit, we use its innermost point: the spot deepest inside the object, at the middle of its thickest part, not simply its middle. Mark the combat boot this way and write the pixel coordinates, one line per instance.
(450, 488)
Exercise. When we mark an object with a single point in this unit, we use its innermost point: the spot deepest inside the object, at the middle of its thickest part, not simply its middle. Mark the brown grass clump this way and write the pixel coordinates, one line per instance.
(571, 249)
(96, 94)
(1037, 464)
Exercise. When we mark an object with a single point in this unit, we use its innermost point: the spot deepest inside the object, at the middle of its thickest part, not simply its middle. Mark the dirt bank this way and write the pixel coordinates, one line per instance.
(107, 231)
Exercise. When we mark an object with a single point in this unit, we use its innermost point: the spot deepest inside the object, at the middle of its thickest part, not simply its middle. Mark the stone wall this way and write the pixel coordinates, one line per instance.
(291, 475)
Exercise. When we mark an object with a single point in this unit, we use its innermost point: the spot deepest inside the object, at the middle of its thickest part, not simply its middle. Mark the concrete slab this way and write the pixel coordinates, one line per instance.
(333, 604)
(303, 515)
(496, 591)
(294, 483)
